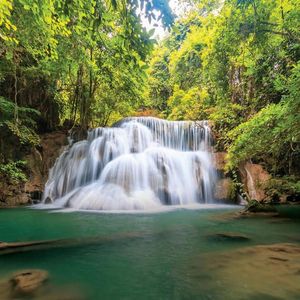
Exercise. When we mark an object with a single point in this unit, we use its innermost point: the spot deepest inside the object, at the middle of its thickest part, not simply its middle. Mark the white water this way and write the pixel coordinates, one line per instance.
(139, 164)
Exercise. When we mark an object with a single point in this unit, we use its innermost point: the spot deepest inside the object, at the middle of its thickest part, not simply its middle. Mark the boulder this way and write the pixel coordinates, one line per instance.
(27, 281)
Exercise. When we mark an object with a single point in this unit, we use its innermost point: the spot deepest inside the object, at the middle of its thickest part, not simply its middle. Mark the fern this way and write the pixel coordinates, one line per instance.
(25, 125)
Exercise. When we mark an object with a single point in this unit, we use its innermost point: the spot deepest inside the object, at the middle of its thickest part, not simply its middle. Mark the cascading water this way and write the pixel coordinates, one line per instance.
(140, 163)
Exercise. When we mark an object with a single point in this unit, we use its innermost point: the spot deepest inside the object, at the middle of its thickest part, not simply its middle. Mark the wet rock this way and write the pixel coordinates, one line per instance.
(293, 198)
(36, 196)
(256, 206)
(39, 161)
(27, 281)
(78, 134)
(48, 200)
(12, 194)
(219, 159)
(229, 236)
(35, 179)
(31, 284)
(224, 190)
(254, 178)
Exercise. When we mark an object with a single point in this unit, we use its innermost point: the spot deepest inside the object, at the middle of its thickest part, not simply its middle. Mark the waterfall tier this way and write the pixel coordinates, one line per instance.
(140, 163)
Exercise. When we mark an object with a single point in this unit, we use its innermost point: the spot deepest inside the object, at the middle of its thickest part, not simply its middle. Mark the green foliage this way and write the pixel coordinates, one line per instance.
(23, 127)
(13, 171)
(159, 87)
(286, 185)
(233, 62)
(185, 64)
(262, 125)
(5, 23)
(225, 119)
(78, 61)
(180, 104)
(76, 50)
(238, 186)
(275, 129)
(245, 56)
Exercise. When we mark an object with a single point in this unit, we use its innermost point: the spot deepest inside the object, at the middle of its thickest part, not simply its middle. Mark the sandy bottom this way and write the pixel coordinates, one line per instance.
(258, 272)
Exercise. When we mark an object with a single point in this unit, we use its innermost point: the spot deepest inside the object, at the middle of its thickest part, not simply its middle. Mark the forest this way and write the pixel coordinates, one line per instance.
(84, 64)
(237, 65)
(149, 149)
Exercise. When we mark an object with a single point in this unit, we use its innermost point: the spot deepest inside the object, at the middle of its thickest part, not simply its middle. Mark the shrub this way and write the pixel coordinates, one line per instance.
(14, 171)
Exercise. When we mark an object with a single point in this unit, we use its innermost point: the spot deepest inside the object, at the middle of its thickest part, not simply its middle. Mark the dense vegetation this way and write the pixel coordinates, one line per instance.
(89, 63)
(73, 63)
(236, 63)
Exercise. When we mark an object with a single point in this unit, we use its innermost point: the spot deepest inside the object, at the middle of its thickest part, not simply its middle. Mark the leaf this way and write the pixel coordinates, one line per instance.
(151, 32)
(114, 4)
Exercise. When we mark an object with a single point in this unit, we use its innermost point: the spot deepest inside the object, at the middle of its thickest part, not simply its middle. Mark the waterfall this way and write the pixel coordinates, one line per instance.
(138, 164)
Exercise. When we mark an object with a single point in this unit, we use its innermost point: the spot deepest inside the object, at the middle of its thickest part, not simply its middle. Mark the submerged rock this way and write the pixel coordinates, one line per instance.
(30, 284)
(229, 236)
(27, 281)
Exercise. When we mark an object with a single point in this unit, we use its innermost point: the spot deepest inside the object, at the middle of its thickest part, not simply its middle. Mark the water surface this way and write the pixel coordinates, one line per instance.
(146, 256)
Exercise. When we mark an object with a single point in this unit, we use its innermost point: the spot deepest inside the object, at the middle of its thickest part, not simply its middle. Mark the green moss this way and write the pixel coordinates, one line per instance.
(256, 206)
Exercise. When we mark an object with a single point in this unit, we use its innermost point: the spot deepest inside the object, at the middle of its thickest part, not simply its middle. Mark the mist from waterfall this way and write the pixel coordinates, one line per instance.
(140, 163)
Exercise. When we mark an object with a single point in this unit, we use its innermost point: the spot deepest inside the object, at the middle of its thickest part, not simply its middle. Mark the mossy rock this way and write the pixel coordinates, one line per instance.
(256, 206)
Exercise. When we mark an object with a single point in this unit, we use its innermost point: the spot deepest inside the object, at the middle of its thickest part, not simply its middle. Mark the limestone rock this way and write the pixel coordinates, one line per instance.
(224, 190)
(13, 195)
(39, 161)
(254, 177)
(27, 281)
(219, 159)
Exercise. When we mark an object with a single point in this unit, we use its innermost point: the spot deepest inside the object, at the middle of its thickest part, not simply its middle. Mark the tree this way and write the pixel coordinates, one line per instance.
(236, 63)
